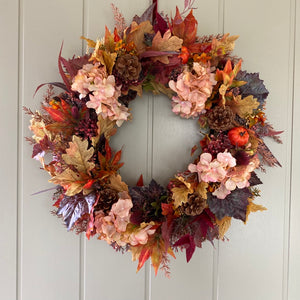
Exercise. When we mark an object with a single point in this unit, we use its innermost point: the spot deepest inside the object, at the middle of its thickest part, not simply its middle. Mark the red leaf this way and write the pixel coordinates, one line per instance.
(190, 29)
(107, 150)
(89, 184)
(117, 157)
(188, 242)
(55, 114)
(116, 35)
(65, 106)
(145, 254)
(140, 181)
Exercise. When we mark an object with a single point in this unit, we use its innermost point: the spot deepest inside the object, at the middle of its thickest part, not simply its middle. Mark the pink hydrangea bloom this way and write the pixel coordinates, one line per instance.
(141, 235)
(103, 93)
(192, 90)
(213, 170)
(113, 226)
(236, 178)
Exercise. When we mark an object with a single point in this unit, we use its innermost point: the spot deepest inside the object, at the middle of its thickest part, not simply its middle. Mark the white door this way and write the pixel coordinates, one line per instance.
(40, 260)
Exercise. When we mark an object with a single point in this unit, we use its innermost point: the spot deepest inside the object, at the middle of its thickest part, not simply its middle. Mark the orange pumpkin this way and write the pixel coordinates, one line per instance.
(238, 136)
(185, 54)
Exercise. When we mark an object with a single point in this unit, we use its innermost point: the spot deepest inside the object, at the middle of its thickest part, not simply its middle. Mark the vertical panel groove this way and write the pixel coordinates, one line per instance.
(149, 175)
(287, 215)
(19, 151)
(82, 240)
(215, 280)
(149, 170)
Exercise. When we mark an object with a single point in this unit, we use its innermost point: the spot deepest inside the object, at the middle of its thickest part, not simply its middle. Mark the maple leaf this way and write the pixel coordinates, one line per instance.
(79, 155)
(116, 183)
(147, 202)
(155, 248)
(74, 207)
(180, 194)
(224, 45)
(201, 189)
(234, 205)
(252, 207)
(185, 29)
(188, 242)
(243, 107)
(137, 33)
(254, 86)
(223, 225)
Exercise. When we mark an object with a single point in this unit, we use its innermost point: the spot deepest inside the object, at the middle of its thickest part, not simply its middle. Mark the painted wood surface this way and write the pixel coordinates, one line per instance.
(40, 260)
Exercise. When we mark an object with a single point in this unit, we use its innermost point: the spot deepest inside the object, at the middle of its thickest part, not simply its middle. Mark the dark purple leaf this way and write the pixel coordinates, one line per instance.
(254, 180)
(234, 205)
(74, 207)
(187, 241)
(254, 86)
(147, 15)
(147, 202)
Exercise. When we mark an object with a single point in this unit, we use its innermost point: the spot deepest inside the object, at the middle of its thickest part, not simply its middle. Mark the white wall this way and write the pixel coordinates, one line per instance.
(39, 260)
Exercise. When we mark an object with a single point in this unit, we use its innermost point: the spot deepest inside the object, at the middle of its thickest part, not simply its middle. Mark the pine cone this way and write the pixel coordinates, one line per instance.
(194, 206)
(220, 118)
(107, 198)
(128, 67)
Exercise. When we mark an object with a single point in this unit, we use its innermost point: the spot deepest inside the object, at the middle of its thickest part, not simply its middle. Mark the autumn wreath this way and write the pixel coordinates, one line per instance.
(205, 82)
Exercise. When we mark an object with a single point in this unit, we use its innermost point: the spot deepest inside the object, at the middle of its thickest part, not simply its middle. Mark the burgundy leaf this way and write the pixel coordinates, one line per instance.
(57, 84)
(61, 71)
(187, 241)
(160, 24)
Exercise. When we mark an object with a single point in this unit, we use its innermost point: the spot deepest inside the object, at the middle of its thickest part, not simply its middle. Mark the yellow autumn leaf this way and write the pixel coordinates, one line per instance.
(180, 194)
(243, 107)
(252, 207)
(70, 180)
(79, 155)
(224, 225)
(201, 189)
(117, 184)
(136, 35)
(90, 43)
(108, 60)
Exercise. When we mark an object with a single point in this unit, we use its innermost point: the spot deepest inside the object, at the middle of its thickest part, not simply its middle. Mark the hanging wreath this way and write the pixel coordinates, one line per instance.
(205, 83)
